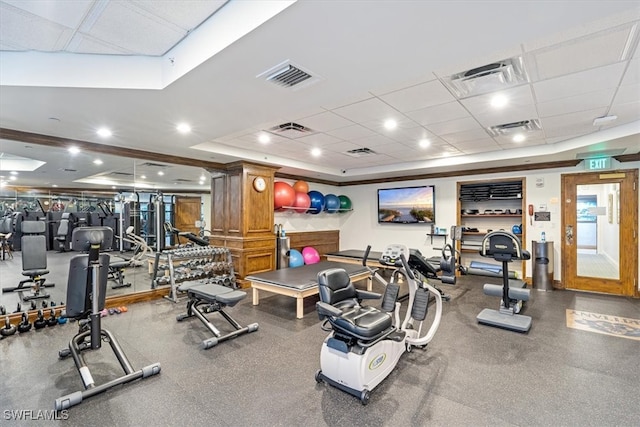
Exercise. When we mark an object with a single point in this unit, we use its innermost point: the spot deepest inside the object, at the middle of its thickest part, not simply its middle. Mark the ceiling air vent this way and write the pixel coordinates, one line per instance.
(515, 127)
(154, 165)
(69, 170)
(291, 130)
(361, 152)
(289, 75)
(182, 180)
(121, 174)
(487, 78)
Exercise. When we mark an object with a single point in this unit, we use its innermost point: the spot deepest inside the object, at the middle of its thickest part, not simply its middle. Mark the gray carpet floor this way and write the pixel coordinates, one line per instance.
(470, 374)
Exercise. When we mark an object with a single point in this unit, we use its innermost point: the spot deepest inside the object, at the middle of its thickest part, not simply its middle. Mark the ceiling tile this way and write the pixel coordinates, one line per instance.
(366, 111)
(372, 141)
(25, 31)
(318, 139)
(123, 25)
(469, 135)
(587, 101)
(67, 13)
(187, 18)
(452, 126)
(324, 122)
(551, 62)
(419, 96)
(626, 113)
(351, 132)
(439, 113)
(574, 84)
(632, 75)
(517, 98)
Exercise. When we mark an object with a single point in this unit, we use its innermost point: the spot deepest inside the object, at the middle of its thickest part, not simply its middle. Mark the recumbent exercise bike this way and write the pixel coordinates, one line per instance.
(365, 343)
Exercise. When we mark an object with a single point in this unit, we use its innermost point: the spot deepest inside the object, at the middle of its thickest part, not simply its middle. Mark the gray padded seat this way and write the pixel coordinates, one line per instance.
(336, 289)
(212, 292)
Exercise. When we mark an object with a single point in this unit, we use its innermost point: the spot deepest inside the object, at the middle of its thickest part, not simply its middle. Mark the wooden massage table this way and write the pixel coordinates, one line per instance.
(301, 282)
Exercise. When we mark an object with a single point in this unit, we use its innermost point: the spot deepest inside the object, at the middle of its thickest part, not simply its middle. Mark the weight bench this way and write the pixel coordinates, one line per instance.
(212, 298)
(116, 272)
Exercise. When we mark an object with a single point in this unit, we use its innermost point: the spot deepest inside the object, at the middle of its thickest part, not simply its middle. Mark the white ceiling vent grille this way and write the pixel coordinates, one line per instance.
(522, 126)
(289, 75)
(487, 78)
(120, 174)
(291, 130)
(361, 152)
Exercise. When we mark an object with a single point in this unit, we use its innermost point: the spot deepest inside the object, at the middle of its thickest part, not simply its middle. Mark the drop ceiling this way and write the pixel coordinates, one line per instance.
(142, 67)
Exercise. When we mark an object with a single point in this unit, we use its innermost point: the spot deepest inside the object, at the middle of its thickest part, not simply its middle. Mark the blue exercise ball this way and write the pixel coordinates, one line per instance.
(331, 203)
(295, 258)
(317, 202)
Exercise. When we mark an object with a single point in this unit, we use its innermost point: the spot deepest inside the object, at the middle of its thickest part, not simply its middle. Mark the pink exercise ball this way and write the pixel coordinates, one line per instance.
(310, 255)
(302, 202)
(283, 195)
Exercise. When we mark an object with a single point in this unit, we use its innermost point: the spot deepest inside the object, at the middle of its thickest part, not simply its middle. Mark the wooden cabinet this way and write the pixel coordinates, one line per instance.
(485, 206)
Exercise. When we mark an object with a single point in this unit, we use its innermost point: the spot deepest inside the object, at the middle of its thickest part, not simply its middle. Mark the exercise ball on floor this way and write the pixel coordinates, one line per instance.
(331, 203)
(310, 255)
(345, 203)
(295, 258)
(283, 195)
(317, 202)
(301, 186)
(302, 202)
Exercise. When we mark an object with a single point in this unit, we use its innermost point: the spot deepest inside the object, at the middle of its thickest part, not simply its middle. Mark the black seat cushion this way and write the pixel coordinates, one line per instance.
(367, 322)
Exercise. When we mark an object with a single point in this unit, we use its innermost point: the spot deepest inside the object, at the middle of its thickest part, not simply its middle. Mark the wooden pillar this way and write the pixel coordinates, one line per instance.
(242, 216)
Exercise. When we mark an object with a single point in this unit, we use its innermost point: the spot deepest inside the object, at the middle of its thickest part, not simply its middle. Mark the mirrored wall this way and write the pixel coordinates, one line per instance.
(80, 189)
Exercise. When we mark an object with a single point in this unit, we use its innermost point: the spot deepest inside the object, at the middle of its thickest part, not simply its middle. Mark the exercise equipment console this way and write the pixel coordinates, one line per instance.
(85, 300)
(365, 343)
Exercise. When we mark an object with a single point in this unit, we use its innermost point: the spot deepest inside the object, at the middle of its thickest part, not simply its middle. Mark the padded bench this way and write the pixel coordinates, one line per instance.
(213, 299)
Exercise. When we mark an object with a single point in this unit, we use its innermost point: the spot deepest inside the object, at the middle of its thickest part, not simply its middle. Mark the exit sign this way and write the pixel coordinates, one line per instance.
(597, 164)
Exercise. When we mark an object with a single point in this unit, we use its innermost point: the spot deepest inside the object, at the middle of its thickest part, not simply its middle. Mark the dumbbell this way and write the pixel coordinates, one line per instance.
(19, 308)
(24, 325)
(8, 329)
(3, 311)
(33, 305)
(44, 304)
(40, 321)
(62, 319)
(52, 320)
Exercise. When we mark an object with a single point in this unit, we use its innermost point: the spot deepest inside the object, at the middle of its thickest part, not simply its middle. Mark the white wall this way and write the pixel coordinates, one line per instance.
(360, 228)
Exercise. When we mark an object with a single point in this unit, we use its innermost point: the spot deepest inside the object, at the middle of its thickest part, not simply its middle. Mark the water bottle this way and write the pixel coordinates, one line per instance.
(543, 237)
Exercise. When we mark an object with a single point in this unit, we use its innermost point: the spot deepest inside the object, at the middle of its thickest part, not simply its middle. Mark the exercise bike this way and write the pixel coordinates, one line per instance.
(365, 343)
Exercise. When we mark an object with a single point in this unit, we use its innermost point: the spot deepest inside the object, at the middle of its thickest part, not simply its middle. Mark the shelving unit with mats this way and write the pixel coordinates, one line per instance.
(485, 206)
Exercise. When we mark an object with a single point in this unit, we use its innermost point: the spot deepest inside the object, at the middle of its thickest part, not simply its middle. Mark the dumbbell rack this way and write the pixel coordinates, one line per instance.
(194, 264)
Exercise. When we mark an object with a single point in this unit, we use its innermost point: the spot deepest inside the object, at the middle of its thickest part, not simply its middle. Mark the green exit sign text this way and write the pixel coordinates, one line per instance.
(597, 164)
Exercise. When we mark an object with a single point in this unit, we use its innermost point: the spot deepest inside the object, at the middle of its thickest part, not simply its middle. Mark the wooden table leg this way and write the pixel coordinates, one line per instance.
(299, 307)
(256, 297)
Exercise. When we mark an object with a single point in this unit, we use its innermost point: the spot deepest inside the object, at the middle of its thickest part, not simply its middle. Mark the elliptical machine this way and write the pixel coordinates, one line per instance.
(365, 343)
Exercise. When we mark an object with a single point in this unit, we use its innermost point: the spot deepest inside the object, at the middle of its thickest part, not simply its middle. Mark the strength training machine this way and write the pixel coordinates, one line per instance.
(85, 299)
(365, 343)
(505, 247)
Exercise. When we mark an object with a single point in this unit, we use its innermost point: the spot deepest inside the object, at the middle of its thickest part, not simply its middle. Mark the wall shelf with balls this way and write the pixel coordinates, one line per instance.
(299, 199)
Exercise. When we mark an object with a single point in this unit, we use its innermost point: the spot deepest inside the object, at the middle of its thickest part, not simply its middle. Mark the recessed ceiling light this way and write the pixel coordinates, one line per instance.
(183, 128)
(160, 173)
(519, 137)
(499, 101)
(13, 177)
(97, 162)
(390, 124)
(201, 182)
(424, 143)
(104, 132)
(113, 186)
(13, 173)
(74, 150)
(143, 177)
(315, 152)
(264, 138)
(54, 185)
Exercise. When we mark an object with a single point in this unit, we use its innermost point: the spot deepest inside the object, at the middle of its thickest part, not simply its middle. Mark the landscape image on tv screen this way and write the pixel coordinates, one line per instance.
(407, 205)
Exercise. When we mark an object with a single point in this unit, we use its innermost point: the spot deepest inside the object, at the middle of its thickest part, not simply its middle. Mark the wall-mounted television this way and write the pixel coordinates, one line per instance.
(407, 205)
